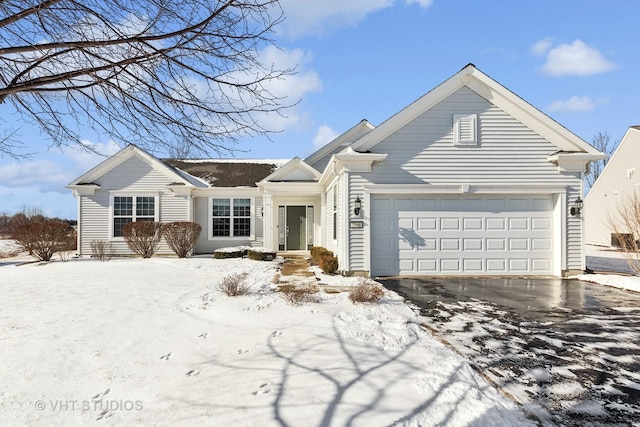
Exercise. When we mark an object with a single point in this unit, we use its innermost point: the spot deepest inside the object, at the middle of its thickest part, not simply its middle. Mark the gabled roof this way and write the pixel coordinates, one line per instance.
(495, 93)
(348, 137)
(296, 170)
(228, 172)
(625, 151)
(125, 154)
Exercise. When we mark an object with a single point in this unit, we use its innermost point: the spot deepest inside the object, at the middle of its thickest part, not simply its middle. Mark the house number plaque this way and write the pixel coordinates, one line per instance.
(357, 224)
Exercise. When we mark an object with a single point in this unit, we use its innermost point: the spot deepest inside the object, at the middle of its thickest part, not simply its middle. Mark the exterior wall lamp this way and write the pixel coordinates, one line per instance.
(357, 204)
(577, 207)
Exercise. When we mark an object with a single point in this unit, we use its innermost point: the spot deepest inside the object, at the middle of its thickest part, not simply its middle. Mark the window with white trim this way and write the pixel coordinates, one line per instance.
(128, 209)
(465, 129)
(335, 212)
(231, 217)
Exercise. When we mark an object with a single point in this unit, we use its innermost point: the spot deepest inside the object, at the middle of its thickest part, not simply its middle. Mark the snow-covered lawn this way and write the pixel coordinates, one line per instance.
(152, 342)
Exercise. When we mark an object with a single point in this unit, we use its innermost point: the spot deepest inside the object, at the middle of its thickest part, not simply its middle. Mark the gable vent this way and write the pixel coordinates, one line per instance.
(465, 129)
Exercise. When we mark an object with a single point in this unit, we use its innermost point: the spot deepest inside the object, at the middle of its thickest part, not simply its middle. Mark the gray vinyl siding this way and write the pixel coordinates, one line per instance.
(574, 232)
(132, 177)
(207, 245)
(357, 242)
(423, 150)
(331, 243)
(508, 153)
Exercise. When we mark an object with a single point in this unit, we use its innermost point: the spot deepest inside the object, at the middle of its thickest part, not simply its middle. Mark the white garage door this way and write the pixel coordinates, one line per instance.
(461, 235)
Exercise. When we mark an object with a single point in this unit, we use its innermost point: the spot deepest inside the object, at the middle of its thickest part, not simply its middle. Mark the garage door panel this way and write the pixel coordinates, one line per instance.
(450, 244)
(472, 205)
(496, 224)
(498, 244)
(428, 245)
(498, 265)
(519, 265)
(472, 223)
(427, 204)
(451, 265)
(472, 244)
(472, 264)
(407, 265)
(449, 224)
(518, 223)
(447, 204)
(428, 224)
(468, 234)
(541, 244)
(541, 265)
(541, 224)
(404, 204)
(518, 244)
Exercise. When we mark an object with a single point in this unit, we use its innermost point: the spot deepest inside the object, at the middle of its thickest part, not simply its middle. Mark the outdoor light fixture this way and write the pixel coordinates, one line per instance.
(577, 207)
(356, 206)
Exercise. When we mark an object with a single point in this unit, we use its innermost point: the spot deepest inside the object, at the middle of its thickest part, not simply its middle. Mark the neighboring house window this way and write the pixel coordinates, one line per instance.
(465, 129)
(128, 209)
(335, 212)
(231, 217)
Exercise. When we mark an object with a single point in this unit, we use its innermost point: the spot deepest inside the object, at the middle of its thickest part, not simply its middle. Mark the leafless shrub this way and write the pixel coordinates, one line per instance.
(181, 236)
(627, 222)
(297, 294)
(101, 250)
(143, 237)
(234, 285)
(367, 292)
(43, 237)
(328, 263)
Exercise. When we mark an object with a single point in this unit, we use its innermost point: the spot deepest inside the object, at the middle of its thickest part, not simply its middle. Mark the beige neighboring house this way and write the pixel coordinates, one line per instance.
(618, 182)
(468, 180)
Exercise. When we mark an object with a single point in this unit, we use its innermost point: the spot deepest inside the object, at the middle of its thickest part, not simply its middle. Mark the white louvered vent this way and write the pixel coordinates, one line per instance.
(465, 129)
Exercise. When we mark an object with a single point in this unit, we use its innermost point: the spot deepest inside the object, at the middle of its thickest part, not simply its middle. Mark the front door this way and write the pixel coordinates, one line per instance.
(296, 228)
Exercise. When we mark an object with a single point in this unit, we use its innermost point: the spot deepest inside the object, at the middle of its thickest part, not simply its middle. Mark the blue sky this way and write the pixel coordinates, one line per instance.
(576, 60)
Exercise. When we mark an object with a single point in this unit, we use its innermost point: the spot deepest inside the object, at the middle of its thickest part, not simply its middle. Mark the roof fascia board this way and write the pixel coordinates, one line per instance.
(124, 155)
(293, 164)
(527, 114)
(611, 163)
(494, 92)
(412, 111)
(326, 149)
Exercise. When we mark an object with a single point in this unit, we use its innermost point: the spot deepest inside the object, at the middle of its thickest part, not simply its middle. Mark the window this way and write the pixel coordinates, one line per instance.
(465, 129)
(128, 209)
(231, 217)
(335, 212)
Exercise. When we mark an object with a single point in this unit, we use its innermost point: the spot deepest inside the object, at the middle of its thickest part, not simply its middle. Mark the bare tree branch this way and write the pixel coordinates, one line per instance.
(157, 73)
(602, 142)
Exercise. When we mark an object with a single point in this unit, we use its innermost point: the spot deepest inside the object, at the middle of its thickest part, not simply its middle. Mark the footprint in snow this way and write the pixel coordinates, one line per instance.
(193, 373)
(264, 388)
(166, 356)
(105, 414)
(99, 396)
(277, 333)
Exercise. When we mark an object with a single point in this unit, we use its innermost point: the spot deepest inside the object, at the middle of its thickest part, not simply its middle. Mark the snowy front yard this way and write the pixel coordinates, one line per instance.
(151, 342)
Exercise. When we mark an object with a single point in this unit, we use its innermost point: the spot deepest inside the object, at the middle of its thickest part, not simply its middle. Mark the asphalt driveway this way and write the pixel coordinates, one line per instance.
(569, 351)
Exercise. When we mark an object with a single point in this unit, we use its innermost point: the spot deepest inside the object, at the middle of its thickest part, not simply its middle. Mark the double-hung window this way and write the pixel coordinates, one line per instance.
(231, 217)
(128, 209)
